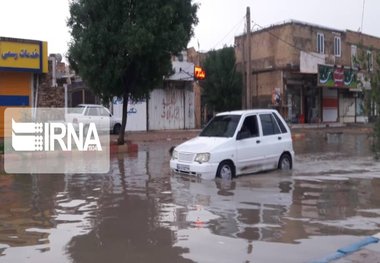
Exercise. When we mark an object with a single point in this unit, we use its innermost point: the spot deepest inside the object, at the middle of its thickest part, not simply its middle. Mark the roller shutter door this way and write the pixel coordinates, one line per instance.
(15, 91)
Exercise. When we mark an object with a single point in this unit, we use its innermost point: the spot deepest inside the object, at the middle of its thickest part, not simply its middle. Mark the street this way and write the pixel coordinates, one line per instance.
(140, 212)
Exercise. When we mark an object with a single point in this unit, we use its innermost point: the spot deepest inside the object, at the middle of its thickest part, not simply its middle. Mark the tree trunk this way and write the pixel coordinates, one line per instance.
(120, 140)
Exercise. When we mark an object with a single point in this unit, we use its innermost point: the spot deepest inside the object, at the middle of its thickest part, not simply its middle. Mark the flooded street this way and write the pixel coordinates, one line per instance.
(139, 212)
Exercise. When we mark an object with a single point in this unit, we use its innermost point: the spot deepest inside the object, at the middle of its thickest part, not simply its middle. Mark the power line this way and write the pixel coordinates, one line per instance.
(284, 41)
(232, 30)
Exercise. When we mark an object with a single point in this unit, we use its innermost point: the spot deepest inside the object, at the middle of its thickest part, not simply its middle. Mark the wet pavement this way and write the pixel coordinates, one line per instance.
(139, 212)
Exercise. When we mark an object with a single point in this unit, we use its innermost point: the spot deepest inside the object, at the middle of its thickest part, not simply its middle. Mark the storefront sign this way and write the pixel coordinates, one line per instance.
(338, 77)
(23, 56)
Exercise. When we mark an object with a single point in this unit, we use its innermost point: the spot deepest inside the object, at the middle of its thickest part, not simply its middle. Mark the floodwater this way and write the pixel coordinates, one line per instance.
(139, 212)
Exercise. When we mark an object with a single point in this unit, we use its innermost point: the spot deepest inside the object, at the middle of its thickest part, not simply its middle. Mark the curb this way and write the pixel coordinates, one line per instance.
(125, 148)
(342, 252)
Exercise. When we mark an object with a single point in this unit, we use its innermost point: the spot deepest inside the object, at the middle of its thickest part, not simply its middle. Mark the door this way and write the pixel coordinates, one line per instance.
(273, 141)
(104, 119)
(249, 147)
(92, 116)
(330, 105)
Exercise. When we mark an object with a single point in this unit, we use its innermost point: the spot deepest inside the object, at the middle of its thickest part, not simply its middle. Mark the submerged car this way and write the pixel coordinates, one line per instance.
(236, 143)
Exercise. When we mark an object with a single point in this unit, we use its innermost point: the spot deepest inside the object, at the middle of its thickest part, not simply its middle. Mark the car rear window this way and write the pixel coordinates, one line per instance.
(280, 123)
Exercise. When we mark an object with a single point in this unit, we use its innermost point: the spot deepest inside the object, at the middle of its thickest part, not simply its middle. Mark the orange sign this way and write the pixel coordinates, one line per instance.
(199, 73)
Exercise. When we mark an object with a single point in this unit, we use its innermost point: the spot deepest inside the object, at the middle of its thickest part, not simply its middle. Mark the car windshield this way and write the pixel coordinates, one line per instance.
(221, 126)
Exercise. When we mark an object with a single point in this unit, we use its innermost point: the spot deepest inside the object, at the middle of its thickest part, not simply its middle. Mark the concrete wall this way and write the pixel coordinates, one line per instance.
(280, 46)
(263, 85)
(267, 51)
(197, 105)
(366, 41)
(171, 108)
(136, 119)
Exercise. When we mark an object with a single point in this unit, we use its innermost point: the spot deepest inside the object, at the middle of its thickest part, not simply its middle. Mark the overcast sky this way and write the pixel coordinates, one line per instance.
(219, 20)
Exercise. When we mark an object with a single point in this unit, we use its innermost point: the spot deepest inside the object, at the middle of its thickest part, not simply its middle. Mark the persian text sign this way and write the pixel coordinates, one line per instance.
(41, 141)
(20, 55)
(330, 76)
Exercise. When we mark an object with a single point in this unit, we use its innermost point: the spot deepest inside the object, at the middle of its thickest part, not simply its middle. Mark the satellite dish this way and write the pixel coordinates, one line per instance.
(58, 57)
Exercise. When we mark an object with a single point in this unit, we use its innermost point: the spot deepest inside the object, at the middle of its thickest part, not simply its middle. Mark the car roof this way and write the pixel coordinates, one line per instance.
(92, 105)
(243, 112)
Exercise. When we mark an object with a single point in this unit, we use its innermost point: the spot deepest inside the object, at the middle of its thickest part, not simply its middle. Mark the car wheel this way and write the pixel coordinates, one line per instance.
(116, 128)
(285, 162)
(225, 171)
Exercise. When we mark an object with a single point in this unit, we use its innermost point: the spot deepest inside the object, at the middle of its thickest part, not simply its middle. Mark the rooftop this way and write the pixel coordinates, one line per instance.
(301, 23)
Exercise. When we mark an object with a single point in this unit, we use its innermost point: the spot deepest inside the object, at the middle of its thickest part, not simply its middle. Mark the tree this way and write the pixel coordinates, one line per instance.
(371, 75)
(222, 87)
(123, 47)
(375, 98)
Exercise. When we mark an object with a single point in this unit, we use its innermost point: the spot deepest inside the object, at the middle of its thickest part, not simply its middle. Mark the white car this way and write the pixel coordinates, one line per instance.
(87, 113)
(235, 143)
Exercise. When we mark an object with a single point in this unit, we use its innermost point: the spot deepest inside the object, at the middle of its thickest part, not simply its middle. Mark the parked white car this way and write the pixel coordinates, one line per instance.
(235, 143)
(87, 113)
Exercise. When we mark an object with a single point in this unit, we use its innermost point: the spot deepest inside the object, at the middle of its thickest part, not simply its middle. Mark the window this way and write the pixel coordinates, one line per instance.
(103, 112)
(354, 61)
(320, 43)
(269, 124)
(92, 111)
(250, 127)
(280, 123)
(76, 110)
(337, 46)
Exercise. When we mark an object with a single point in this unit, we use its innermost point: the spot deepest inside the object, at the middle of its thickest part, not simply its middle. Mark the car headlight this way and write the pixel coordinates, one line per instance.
(202, 157)
(175, 155)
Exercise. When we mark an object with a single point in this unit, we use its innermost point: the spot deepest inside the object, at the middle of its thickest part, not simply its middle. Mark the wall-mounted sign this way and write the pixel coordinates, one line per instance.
(338, 77)
(23, 55)
(199, 73)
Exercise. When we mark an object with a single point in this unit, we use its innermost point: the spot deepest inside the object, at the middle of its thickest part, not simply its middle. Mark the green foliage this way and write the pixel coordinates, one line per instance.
(375, 95)
(124, 47)
(222, 88)
(372, 96)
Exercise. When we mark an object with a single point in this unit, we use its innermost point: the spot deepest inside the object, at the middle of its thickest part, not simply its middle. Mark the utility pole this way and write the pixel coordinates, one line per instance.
(248, 103)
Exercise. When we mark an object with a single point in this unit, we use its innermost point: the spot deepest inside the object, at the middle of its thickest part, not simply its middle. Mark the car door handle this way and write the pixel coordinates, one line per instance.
(258, 141)
(279, 138)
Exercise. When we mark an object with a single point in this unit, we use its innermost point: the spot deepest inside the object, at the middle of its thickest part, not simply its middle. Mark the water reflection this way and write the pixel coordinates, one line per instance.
(127, 227)
(140, 213)
(343, 144)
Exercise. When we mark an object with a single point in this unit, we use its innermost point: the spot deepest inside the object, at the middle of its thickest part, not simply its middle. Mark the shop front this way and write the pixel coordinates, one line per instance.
(330, 96)
(21, 63)
(336, 83)
(303, 98)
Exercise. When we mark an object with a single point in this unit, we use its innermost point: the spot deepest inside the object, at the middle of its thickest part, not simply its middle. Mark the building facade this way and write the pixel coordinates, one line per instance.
(310, 73)
(174, 105)
(22, 63)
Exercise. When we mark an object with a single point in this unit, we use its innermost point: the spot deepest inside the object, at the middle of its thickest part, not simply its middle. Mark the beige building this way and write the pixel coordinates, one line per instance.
(200, 111)
(310, 73)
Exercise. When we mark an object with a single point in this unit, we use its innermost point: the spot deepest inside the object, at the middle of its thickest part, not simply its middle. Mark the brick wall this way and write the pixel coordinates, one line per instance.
(50, 96)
